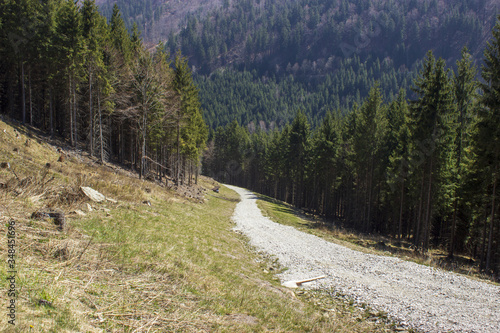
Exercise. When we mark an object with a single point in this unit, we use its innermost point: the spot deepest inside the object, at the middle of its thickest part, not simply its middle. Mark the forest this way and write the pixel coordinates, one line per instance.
(422, 169)
(248, 55)
(69, 72)
(405, 144)
(260, 61)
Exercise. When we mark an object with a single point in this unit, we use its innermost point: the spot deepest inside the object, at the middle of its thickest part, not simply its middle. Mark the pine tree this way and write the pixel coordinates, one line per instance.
(297, 157)
(366, 144)
(432, 121)
(487, 143)
(119, 35)
(464, 87)
(68, 40)
(191, 129)
(94, 33)
(326, 144)
(398, 136)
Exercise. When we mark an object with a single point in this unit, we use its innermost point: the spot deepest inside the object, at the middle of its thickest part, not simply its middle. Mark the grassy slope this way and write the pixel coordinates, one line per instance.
(174, 266)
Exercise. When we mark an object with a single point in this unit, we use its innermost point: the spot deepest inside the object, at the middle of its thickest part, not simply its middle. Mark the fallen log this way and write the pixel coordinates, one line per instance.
(296, 284)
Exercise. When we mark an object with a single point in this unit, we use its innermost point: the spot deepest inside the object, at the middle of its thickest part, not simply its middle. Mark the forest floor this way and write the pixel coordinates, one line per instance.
(416, 296)
(153, 258)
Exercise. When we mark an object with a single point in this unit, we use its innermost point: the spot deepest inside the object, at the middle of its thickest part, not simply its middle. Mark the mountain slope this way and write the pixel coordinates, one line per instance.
(271, 34)
(332, 51)
(157, 18)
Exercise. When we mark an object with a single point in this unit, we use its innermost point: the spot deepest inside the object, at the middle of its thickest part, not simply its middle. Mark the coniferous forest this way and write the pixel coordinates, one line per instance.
(422, 169)
(72, 73)
(260, 61)
(376, 134)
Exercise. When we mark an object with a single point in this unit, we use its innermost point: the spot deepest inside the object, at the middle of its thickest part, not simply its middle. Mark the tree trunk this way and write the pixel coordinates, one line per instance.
(453, 227)
(70, 97)
(370, 190)
(75, 115)
(30, 97)
(190, 174)
(132, 151)
(428, 218)
(10, 94)
(197, 171)
(91, 115)
(51, 114)
(178, 167)
(483, 245)
(492, 222)
(402, 197)
(101, 141)
(420, 208)
(23, 90)
(143, 148)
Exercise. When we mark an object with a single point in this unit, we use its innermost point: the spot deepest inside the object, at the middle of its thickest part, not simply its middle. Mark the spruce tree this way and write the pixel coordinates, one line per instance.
(297, 156)
(367, 141)
(326, 143)
(487, 143)
(68, 40)
(432, 123)
(464, 87)
(190, 126)
(398, 136)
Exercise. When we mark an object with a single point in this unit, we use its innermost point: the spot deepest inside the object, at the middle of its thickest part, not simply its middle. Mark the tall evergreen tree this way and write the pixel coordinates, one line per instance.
(432, 121)
(398, 140)
(464, 87)
(326, 144)
(487, 144)
(68, 40)
(367, 139)
(191, 129)
(298, 157)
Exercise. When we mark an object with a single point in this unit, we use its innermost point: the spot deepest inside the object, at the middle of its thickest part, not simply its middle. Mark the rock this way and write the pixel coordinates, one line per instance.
(79, 212)
(89, 207)
(93, 194)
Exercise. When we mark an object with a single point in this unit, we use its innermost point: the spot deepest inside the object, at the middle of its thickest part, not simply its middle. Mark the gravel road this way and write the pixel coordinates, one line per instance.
(417, 296)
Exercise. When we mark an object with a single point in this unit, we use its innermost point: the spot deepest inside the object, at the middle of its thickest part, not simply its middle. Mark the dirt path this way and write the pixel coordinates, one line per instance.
(417, 296)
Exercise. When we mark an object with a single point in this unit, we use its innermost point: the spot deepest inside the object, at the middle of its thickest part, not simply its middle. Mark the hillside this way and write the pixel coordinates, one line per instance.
(151, 261)
(333, 50)
(157, 18)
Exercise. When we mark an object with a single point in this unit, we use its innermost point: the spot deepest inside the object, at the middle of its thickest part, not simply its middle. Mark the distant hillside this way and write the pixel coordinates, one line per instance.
(269, 35)
(157, 18)
(331, 51)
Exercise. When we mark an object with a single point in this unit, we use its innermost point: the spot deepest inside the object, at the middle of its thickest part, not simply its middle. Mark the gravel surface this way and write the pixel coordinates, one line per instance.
(416, 296)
